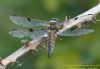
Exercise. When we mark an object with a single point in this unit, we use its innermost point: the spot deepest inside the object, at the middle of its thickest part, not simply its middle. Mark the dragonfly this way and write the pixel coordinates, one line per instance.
(51, 28)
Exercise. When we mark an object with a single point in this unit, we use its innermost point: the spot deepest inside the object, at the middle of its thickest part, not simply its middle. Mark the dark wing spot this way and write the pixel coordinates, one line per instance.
(73, 28)
(90, 14)
(75, 18)
(29, 19)
(42, 29)
(14, 15)
(15, 29)
(86, 22)
(31, 30)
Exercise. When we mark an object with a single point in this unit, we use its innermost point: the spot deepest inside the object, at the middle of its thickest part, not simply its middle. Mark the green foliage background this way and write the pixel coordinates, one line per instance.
(83, 49)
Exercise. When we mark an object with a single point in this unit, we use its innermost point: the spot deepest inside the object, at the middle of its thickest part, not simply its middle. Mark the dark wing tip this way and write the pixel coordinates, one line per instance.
(29, 19)
(15, 29)
(31, 30)
(14, 15)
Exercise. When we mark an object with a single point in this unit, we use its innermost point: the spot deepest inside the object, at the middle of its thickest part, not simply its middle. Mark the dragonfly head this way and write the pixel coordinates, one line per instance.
(54, 25)
(53, 21)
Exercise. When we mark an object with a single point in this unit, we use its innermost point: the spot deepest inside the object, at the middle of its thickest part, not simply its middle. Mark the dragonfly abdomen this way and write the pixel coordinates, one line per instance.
(50, 48)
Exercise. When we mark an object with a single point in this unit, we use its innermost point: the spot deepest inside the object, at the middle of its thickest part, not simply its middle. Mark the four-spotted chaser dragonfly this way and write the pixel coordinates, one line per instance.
(51, 28)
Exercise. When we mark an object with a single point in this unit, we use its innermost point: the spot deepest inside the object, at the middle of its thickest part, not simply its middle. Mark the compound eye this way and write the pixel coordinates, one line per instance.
(56, 19)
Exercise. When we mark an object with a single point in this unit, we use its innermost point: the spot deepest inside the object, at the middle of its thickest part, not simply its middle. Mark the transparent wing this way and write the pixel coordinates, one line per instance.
(76, 32)
(39, 33)
(27, 22)
(21, 33)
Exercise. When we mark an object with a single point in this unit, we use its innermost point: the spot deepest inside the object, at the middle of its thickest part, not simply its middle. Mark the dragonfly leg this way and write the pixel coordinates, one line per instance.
(24, 42)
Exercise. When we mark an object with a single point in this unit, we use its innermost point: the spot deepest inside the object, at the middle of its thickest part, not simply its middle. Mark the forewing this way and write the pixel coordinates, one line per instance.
(27, 22)
(76, 32)
(21, 33)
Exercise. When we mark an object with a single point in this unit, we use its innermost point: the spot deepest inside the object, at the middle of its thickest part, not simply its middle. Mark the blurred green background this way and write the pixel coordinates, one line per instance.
(83, 49)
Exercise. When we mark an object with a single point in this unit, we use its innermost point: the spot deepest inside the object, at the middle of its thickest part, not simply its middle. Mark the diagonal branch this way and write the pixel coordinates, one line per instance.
(86, 16)
(32, 45)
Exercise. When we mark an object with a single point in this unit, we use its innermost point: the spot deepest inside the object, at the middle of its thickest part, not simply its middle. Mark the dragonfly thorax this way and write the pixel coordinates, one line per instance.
(52, 28)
